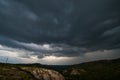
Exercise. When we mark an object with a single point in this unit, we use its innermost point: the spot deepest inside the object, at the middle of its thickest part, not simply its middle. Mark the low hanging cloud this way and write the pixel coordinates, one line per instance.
(60, 28)
(15, 55)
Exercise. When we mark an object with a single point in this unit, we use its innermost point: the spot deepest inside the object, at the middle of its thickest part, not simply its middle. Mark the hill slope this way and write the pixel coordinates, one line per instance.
(96, 70)
(20, 72)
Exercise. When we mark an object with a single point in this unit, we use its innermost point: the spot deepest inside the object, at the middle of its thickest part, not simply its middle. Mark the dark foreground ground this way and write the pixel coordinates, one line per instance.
(96, 70)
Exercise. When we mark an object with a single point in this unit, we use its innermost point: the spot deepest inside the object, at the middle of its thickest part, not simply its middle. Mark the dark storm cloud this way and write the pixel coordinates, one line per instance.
(75, 26)
(40, 50)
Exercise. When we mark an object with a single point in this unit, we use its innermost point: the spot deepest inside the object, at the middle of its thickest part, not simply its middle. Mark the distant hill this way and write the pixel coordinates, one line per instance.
(95, 70)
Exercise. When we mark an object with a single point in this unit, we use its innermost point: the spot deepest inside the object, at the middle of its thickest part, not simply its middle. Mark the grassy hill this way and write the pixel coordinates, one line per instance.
(96, 70)
(12, 72)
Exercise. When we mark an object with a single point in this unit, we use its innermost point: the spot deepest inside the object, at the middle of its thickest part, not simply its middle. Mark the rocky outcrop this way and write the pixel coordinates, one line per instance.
(74, 71)
(44, 74)
(77, 71)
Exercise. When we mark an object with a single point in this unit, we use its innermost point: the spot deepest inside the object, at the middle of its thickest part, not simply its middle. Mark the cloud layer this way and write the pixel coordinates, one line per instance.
(60, 28)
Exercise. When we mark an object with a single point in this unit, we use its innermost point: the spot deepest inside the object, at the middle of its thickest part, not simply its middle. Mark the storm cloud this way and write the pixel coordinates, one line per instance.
(60, 28)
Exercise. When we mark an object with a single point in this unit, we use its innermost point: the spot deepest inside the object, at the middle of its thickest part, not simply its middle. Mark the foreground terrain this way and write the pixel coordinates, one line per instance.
(96, 70)
(27, 72)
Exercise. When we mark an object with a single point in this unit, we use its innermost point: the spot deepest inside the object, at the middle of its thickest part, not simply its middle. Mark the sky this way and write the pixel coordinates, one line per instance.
(59, 32)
